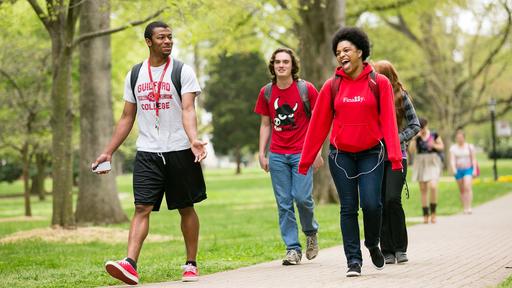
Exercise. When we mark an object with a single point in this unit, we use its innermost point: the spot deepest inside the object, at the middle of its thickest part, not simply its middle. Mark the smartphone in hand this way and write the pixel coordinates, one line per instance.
(102, 167)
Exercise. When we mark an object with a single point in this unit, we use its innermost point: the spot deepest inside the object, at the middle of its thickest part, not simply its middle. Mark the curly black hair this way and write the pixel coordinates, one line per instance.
(355, 36)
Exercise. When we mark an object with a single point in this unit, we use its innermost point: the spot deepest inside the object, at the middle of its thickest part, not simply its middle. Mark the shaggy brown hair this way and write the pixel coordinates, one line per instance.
(295, 64)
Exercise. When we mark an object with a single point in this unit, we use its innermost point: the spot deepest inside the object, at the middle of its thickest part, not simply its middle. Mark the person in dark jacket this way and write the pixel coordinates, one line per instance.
(393, 233)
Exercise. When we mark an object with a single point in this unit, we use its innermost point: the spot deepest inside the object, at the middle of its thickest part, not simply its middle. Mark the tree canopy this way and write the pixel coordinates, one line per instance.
(232, 91)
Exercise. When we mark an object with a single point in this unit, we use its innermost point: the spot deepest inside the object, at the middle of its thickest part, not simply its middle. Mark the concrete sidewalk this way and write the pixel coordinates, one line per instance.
(459, 251)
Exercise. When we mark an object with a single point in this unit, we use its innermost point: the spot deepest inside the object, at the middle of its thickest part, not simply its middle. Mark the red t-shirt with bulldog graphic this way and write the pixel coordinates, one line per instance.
(288, 119)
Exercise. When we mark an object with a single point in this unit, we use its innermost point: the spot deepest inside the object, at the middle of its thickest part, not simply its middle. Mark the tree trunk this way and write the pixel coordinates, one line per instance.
(238, 159)
(38, 179)
(446, 132)
(62, 125)
(319, 22)
(26, 190)
(98, 201)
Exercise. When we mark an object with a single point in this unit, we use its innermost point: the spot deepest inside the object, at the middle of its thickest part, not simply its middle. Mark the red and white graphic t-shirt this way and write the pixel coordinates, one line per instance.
(289, 122)
(170, 134)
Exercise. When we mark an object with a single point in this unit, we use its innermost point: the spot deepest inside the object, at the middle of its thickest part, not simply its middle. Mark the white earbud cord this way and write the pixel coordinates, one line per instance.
(380, 160)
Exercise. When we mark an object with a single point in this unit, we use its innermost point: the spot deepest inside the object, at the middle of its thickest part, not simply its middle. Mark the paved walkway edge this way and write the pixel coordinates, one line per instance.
(459, 251)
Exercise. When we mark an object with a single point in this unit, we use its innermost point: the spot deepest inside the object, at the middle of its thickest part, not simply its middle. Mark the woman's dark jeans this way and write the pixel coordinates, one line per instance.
(365, 188)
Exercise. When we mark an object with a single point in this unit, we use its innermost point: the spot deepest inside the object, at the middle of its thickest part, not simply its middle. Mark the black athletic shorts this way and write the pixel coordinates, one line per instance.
(174, 174)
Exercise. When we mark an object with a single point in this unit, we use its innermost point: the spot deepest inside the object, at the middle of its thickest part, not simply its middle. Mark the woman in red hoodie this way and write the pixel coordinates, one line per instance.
(358, 104)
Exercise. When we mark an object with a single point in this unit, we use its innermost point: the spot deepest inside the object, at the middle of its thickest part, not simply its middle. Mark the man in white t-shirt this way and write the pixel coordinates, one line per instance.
(168, 150)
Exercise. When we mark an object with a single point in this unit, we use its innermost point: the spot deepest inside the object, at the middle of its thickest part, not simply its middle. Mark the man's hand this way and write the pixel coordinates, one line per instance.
(263, 162)
(319, 161)
(199, 150)
(102, 158)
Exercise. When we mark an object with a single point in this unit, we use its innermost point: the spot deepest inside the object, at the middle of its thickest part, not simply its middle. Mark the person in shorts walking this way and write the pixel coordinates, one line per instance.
(168, 150)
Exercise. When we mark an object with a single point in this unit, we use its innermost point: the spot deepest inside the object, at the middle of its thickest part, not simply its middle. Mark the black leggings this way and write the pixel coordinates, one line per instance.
(393, 237)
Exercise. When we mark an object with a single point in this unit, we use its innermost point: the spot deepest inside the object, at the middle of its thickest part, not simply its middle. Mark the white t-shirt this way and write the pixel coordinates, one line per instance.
(171, 135)
(462, 155)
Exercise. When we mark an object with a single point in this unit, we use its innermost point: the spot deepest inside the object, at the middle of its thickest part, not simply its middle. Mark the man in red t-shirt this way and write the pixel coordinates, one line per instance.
(285, 116)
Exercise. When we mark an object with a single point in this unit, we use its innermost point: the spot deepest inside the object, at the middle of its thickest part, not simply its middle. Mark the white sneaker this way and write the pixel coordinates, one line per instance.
(292, 257)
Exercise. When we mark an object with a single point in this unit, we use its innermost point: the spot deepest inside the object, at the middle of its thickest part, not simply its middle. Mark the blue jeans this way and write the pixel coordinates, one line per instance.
(290, 186)
(365, 188)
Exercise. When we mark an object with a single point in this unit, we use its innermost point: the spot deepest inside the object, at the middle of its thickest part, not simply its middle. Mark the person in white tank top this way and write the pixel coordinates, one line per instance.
(463, 161)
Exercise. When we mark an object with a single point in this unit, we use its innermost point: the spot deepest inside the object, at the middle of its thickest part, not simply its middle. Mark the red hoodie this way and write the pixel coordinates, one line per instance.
(357, 124)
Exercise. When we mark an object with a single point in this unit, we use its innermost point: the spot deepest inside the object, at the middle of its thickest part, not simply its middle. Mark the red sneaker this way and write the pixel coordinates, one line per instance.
(190, 273)
(123, 271)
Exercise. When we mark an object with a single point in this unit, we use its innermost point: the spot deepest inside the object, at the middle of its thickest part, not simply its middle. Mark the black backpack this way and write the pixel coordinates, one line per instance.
(175, 76)
(372, 82)
(303, 92)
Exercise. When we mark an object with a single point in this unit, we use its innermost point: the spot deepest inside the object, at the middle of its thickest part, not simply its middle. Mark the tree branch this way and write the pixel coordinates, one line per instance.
(488, 83)
(104, 32)
(79, 3)
(74, 11)
(282, 4)
(490, 58)
(72, 16)
(473, 45)
(379, 8)
(506, 103)
(277, 40)
(13, 82)
(6, 144)
(246, 19)
(403, 28)
(40, 13)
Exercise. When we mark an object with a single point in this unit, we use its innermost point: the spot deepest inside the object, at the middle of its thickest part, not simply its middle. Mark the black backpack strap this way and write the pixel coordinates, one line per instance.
(335, 87)
(304, 95)
(268, 91)
(374, 87)
(133, 78)
(177, 66)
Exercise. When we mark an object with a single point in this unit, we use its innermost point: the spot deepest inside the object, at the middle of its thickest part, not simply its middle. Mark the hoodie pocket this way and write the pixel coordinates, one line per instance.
(355, 137)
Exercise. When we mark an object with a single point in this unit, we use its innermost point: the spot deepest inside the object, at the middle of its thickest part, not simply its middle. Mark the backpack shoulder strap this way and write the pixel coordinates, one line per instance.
(268, 91)
(177, 66)
(374, 87)
(134, 76)
(304, 95)
(335, 87)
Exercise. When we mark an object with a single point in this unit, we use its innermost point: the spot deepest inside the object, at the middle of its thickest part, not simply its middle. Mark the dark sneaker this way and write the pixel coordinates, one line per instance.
(401, 257)
(312, 246)
(377, 258)
(389, 258)
(354, 270)
(292, 257)
(123, 271)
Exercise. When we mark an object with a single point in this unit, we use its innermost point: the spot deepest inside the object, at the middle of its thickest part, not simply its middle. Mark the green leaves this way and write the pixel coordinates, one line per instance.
(232, 92)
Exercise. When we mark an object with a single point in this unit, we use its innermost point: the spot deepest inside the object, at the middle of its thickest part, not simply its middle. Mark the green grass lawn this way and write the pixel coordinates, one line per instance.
(238, 228)
(507, 283)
